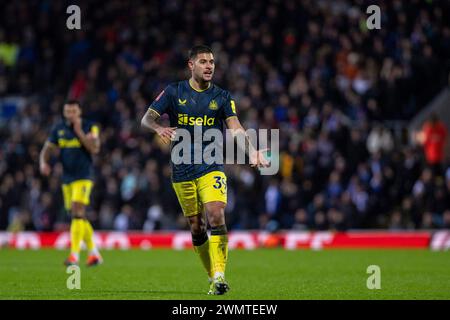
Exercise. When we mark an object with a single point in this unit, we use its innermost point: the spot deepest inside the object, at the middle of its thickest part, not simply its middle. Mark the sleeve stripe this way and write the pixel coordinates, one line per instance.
(230, 117)
(95, 131)
(233, 106)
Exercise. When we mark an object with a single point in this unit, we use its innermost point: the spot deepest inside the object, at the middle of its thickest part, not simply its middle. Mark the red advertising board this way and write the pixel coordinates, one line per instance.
(289, 240)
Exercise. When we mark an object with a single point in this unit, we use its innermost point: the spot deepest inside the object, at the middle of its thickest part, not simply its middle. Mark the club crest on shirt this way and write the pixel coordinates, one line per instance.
(60, 133)
(213, 105)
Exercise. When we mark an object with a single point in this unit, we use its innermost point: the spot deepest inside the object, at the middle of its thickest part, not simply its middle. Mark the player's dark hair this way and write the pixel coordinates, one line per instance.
(197, 50)
(73, 101)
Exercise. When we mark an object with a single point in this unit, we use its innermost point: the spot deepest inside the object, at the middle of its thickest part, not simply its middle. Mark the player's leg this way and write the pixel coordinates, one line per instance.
(200, 241)
(76, 226)
(218, 243)
(80, 200)
(187, 196)
(213, 195)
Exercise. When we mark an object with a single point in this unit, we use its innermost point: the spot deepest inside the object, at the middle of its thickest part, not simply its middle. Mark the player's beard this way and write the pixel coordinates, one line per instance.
(207, 77)
(204, 79)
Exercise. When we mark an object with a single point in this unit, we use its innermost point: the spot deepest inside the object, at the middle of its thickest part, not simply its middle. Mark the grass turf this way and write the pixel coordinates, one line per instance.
(259, 274)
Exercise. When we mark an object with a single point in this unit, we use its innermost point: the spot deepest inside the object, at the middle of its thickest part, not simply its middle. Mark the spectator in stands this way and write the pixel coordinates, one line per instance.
(433, 138)
(380, 139)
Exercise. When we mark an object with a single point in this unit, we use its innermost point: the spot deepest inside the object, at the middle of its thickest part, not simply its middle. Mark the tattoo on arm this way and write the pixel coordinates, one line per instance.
(149, 120)
(242, 140)
(239, 134)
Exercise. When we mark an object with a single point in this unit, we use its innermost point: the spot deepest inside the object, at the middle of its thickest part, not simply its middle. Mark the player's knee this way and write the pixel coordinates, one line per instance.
(198, 228)
(216, 213)
(78, 210)
(197, 224)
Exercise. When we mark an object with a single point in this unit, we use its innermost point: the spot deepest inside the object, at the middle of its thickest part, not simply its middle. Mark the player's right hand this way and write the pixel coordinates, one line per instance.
(166, 134)
(45, 169)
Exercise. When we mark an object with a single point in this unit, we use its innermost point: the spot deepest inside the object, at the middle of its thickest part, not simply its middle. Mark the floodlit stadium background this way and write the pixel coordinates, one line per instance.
(347, 100)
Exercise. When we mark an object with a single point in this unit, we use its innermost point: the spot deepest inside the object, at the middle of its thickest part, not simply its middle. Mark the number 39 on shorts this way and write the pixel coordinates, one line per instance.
(220, 183)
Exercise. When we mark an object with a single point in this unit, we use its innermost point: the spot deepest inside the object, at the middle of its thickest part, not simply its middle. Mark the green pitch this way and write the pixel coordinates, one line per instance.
(258, 274)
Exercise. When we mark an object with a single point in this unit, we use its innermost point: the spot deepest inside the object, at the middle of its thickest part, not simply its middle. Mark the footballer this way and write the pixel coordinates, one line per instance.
(201, 189)
(78, 139)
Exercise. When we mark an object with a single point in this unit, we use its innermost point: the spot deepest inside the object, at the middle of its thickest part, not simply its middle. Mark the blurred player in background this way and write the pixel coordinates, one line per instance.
(201, 187)
(78, 139)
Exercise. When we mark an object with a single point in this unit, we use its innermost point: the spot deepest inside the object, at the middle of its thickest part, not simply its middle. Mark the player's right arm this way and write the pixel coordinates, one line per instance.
(149, 121)
(44, 157)
(50, 147)
(158, 107)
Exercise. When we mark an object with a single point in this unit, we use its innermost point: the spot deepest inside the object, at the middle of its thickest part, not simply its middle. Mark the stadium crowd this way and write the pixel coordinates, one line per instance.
(310, 68)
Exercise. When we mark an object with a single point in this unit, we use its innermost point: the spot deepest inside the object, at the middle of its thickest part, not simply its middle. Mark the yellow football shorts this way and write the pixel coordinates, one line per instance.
(77, 191)
(207, 188)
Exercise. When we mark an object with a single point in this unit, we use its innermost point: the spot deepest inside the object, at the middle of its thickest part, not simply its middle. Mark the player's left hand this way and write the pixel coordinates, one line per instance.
(257, 159)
